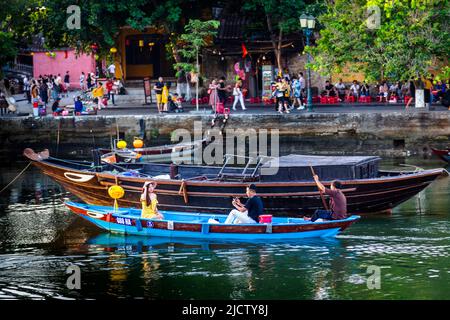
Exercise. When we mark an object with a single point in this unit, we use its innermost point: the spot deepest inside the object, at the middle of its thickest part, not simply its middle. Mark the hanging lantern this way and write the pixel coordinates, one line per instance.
(138, 143)
(53, 55)
(32, 54)
(96, 56)
(116, 192)
(94, 46)
(48, 54)
(113, 50)
(141, 43)
(151, 44)
(121, 144)
(66, 54)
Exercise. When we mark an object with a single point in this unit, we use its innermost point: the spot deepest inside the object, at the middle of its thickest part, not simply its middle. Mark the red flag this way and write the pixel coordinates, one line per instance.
(244, 51)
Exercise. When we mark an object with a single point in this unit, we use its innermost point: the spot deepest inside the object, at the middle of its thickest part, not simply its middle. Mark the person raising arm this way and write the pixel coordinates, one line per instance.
(338, 202)
(150, 202)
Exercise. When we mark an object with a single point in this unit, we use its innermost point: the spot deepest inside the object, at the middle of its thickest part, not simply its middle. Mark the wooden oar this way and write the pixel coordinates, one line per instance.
(320, 191)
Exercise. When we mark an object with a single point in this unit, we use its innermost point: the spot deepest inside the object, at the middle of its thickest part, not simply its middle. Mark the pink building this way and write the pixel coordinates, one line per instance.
(64, 60)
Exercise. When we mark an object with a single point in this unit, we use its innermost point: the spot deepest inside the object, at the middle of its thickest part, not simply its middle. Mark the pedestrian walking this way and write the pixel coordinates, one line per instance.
(98, 93)
(213, 95)
(82, 80)
(238, 95)
(158, 87)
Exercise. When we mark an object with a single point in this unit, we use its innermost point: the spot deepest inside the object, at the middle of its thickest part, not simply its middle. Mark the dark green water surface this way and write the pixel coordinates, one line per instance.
(40, 238)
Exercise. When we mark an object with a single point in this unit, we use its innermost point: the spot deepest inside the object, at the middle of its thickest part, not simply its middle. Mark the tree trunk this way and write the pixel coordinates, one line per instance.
(276, 43)
(198, 80)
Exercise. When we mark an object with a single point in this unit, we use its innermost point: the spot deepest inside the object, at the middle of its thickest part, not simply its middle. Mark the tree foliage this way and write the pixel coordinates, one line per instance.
(17, 26)
(410, 36)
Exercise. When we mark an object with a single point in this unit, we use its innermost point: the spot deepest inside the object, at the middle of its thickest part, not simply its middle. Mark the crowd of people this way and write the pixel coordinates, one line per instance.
(394, 92)
(50, 89)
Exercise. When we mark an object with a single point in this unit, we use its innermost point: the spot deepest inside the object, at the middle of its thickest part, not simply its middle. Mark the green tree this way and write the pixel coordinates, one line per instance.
(197, 35)
(383, 38)
(16, 29)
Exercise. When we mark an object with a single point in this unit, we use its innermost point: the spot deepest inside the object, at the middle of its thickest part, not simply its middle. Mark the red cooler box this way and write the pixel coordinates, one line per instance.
(265, 218)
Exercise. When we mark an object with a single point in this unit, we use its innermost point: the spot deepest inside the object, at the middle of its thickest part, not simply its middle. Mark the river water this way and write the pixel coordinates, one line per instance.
(405, 255)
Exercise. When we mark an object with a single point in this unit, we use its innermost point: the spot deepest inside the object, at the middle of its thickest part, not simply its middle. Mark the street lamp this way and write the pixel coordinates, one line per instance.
(307, 23)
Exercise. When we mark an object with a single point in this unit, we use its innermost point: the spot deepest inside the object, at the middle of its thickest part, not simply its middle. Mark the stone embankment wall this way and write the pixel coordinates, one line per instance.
(386, 134)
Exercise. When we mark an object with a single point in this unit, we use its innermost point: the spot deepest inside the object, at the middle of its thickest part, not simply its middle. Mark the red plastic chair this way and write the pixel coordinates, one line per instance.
(323, 100)
(350, 99)
(333, 100)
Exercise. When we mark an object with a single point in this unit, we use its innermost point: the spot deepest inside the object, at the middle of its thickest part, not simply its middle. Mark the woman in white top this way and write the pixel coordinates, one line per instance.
(238, 95)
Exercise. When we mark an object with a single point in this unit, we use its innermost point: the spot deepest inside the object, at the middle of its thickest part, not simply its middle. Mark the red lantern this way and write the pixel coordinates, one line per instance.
(66, 54)
(94, 46)
(127, 42)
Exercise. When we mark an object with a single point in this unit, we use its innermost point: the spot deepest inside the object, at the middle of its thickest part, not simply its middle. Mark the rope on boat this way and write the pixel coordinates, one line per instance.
(29, 163)
(183, 191)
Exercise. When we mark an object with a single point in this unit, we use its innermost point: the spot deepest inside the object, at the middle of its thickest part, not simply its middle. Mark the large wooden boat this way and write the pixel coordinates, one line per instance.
(199, 226)
(191, 188)
(444, 154)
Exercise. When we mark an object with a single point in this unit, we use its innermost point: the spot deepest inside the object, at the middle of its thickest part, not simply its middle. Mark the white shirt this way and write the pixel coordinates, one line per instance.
(354, 88)
(82, 78)
(302, 83)
(112, 69)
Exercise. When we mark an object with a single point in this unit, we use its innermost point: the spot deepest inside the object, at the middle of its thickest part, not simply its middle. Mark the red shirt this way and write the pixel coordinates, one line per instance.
(109, 86)
(338, 203)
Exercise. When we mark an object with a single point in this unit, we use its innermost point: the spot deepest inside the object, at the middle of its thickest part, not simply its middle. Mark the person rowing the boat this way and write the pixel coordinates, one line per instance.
(150, 202)
(248, 212)
(338, 202)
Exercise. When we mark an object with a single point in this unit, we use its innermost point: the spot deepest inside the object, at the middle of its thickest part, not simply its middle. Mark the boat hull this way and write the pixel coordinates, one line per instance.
(443, 154)
(195, 226)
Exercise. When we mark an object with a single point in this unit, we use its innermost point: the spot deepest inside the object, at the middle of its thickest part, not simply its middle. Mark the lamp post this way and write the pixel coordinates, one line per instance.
(307, 23)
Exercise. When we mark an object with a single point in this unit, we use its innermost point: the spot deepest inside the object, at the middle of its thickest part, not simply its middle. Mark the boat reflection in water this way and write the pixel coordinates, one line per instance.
(240, 269)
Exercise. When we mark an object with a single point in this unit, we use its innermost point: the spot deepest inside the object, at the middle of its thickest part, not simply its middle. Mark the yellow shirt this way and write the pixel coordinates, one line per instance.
(165, 95)
(97, 92)
(149, 211)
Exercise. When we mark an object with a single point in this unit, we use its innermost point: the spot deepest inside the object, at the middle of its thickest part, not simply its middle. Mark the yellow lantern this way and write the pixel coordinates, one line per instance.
(113, 50)
(138, 143)
(96, 56)
(141, 43)
(116, 192)
(121, 144)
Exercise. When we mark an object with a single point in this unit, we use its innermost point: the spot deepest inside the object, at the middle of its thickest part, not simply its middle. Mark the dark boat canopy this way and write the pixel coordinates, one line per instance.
(298, 167)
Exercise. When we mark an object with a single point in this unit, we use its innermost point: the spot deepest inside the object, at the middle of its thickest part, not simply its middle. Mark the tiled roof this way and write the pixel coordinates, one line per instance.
(231, 28)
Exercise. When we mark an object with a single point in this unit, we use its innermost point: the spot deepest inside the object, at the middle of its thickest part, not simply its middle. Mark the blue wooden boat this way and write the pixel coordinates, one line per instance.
(196, 225)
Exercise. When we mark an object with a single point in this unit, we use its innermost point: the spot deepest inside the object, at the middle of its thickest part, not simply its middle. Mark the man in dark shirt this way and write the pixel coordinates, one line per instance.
(330, 89)
(248, 213)
(222, 90)
(338, 202)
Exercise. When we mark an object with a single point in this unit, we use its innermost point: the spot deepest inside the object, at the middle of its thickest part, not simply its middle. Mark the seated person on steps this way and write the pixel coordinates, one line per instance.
(248, 212)
(338, 202)
(150, 202)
